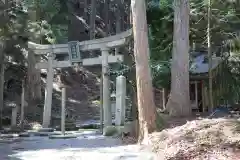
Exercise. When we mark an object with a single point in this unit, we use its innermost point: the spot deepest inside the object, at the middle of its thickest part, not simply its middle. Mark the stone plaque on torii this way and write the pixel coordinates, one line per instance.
(74, 49)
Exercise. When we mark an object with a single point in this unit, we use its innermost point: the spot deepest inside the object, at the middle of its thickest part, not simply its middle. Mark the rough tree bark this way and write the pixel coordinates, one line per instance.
(106, 16)
(1, 79)
(210, 57)
(34, 78)
(146, 106)
(2, 65)
(129, 60)
(92, 19)
(118, 20)
(179, 100)
(85, 14)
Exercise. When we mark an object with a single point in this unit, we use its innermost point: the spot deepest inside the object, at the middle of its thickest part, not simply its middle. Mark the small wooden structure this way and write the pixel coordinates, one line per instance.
(199, 94)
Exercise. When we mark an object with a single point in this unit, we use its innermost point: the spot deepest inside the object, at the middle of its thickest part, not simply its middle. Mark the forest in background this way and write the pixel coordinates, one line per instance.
(169, 34)
(59, 21)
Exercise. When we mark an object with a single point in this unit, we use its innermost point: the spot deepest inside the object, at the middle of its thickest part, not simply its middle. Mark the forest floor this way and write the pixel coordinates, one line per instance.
(87, 146)
(198, 139)
(192, 138)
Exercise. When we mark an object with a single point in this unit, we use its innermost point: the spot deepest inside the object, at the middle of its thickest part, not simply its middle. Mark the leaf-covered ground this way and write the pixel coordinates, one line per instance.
(202, 139)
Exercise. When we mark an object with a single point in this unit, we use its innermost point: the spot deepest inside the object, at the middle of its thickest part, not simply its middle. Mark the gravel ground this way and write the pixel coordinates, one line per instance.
(88, 146)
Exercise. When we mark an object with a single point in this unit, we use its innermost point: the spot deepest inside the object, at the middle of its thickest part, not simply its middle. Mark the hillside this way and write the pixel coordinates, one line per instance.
(82, 91)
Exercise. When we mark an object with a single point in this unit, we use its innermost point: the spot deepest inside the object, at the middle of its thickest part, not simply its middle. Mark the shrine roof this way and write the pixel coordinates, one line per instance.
(200, 63)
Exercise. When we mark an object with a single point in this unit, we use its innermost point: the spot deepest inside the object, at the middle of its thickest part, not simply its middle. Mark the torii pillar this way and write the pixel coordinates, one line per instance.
(48, 93)
(107, 113)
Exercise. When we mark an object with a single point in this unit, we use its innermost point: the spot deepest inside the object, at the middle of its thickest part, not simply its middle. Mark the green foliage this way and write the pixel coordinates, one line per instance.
(160, 21)
(23, 21)
(51, 26)
(161, 72)
(52, 21)
(224, 33)
(31, 20)
(20, 24)
(46, 10)
(224, 20)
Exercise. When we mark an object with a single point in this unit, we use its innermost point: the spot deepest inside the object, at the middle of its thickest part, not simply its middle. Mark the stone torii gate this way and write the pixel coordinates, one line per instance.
(73, 51)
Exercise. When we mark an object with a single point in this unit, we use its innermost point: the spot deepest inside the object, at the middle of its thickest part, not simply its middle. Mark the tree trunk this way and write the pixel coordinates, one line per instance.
(92, 22)
(85, 14)
(129, 60)
(92, 19)
(1, 80)
(119, 16)
(210, 57)
(106, 16)
(2, 64)
(34, 79)
(34, 84)
(118, 20)
(179, 100)
(146, 106)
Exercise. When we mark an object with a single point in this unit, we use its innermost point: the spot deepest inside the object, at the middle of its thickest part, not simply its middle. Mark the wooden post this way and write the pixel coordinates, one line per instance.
(48, 93)
(101, 104)
(14, 116)
(203, 98)
(22, 106)
(164, 98)
(206, 97)
(196, 93)
(49, 87)
(106, 88)
(63, 110)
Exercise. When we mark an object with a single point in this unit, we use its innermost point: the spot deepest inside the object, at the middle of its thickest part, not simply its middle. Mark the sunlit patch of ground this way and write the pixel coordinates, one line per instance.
(88, 146)
(210, 139)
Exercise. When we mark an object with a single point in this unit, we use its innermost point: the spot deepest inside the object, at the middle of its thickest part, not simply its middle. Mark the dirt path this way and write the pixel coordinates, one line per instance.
(88, 146)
